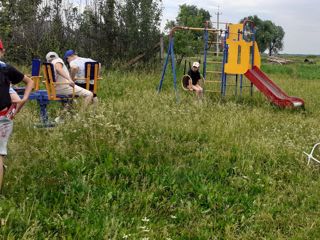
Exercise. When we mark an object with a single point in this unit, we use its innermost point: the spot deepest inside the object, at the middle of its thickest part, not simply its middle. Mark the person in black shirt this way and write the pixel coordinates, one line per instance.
(195, 77)
(9, 75)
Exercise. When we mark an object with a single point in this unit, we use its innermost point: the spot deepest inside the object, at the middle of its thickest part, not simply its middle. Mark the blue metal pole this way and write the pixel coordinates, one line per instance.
(252, 63)
(236, 89)
(225, 56)
(241, 84)
(165, 66)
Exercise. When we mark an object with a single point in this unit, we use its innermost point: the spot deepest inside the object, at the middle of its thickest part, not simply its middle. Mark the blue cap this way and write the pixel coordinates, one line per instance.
(68, 53)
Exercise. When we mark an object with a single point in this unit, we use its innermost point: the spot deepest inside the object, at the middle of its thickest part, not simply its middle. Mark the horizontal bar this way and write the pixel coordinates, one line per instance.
(212, 81)
(212, 62)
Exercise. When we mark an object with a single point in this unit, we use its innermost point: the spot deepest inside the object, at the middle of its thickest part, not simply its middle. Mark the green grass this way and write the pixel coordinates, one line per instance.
(139, 165)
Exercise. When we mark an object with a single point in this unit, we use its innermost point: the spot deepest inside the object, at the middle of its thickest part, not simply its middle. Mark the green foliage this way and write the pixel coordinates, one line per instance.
(189, 43)
(139, 165)
(107, 30)
(268, 35)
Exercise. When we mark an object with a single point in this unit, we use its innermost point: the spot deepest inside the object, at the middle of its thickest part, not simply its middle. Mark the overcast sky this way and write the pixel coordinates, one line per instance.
(299, 19)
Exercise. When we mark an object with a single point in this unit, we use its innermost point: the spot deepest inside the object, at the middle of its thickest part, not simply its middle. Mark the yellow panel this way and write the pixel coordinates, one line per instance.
(235, 42)
(233, 66)
(257, 58)
(234, 31)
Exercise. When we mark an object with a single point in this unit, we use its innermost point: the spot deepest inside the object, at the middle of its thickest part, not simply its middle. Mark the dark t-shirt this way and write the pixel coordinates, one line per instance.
(195, 76)
(8, 74)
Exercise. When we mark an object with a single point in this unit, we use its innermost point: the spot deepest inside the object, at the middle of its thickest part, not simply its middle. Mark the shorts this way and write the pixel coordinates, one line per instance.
(84, 85)
(6, 126)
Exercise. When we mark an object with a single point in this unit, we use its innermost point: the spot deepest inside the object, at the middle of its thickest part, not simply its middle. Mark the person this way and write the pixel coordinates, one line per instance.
(77, 69)
(9, 75)
(195, 77)
(63, 76)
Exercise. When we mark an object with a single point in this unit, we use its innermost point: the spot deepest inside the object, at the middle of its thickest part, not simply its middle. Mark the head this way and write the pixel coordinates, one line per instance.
(69, 55)
(195, 66)
(51, 56)
(1, 49)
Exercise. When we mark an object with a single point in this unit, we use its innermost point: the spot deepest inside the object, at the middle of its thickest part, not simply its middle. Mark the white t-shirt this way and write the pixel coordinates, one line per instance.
(59, 78)
(79, 62)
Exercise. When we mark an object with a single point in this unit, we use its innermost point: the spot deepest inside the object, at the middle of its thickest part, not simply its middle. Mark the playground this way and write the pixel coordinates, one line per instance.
(142, 166)
(241, 57)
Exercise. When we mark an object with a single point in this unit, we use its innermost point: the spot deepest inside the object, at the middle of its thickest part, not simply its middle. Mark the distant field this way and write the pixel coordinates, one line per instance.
(141, 166)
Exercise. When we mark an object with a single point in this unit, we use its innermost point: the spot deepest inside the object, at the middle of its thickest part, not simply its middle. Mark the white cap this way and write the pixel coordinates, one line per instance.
(196, 64)
(51, 55)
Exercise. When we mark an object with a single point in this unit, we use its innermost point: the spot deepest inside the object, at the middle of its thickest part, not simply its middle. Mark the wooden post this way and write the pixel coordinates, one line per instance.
(161, 48)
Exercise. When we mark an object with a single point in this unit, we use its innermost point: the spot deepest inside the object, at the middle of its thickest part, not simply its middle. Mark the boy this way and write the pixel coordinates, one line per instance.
(8, 75)
(77, 69)
(195, 77)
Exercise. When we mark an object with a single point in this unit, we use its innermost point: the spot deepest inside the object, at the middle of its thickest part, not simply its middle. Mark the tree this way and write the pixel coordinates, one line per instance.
(106, 30)
(268, 35)
(189, 43)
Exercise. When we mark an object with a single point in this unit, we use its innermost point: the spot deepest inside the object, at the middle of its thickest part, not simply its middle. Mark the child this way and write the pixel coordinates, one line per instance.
(9, 75)
(195, 77)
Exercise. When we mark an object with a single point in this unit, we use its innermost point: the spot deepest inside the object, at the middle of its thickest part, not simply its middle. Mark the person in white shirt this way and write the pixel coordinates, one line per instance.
(63, 76)
(77, 69)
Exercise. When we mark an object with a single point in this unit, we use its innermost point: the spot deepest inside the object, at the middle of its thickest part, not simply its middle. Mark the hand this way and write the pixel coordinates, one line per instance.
(71, 84)
(19, 104)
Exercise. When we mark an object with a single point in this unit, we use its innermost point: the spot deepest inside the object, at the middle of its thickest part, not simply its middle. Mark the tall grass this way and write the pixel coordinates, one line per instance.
(140, 166)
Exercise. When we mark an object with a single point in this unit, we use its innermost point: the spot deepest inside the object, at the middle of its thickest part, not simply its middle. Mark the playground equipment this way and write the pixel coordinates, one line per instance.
(44, 97)
(50, 82)
(92, 70)
(40, 96)
(240, 58)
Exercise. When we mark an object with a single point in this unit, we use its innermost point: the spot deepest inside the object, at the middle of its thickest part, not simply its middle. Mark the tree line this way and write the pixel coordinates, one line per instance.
(111, 31)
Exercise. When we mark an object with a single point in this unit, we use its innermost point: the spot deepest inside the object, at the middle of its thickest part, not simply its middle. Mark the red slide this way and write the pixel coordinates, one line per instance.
(271, 90)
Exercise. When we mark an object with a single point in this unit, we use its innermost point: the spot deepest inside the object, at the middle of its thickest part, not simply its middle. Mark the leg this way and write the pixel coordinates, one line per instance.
(87, 95)
(79, 91)
(5, 131)
(190, 86)
(198, 90)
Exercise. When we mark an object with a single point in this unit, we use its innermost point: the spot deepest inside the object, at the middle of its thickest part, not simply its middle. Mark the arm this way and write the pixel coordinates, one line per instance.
(30, 84)
(61, 72)
(73, 72)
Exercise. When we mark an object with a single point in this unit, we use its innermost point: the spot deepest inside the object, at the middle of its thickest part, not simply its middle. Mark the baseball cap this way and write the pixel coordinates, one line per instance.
(196, 64)
(1, 45)
(51, 55)
(68, 53)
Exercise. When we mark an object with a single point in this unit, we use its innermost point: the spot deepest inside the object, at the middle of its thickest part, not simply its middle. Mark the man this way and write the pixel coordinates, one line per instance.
(77, 69)
(63, 76)
(195, 77)
(9, 75)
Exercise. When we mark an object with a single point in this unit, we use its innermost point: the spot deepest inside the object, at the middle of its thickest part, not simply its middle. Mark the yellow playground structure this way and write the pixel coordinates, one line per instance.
(241, 57)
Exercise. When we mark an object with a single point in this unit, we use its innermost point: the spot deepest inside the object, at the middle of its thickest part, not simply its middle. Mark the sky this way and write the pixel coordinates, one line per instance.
(299, 19)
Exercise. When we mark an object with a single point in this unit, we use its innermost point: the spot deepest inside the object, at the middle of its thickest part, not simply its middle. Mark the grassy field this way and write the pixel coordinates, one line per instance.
(141, 166)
